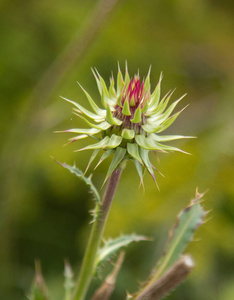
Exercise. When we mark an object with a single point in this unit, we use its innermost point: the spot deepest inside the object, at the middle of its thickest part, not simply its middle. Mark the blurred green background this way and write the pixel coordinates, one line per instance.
(44, 210)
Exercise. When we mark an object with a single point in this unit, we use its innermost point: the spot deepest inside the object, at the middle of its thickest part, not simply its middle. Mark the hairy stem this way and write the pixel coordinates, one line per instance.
(87, 267)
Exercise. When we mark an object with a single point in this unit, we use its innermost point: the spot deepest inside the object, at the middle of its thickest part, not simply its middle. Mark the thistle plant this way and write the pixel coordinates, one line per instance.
(130, 122)
(128, 127)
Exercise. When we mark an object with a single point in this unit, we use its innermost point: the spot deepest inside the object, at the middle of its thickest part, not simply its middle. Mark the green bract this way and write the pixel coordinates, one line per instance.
(130, 122)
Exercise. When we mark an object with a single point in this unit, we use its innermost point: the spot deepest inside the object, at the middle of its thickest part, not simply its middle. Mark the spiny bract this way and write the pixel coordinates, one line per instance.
(130, 123)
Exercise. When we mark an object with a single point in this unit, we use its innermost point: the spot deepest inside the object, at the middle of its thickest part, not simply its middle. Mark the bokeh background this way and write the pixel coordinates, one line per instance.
(46, 46)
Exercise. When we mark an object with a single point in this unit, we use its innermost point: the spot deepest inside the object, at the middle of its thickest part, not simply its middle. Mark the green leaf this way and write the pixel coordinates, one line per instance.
(145, 106)
(76, 138)
(149, 143)
(168, 148)
(97, 81)
(81, 130)
(165, 115)
(101, 83)
(118, 157)
(102, 144)
(97, 118)
(103, 100)
(96, 109)
(104, 87)
(168, 122)
(120, 82)
(137, 116)
(112, 92)
(115, 141)
(148, 128)
(134, 151)
(85, 179)
(180, 235)
(161, 106)
(105, 155)
(118, 101)
(155, 97)
(101, 88)
(112, 246)
(126, 78)
(112, 120)
(92, 157)
(128, 134)
(139, 170)
(126, 109)
(102, 126)
(147, 81)
(145, 157)
(166, 138)
(106, 143)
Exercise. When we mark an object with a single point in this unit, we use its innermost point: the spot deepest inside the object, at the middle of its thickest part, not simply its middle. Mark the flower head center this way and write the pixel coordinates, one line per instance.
(133, 99)
(135, 93)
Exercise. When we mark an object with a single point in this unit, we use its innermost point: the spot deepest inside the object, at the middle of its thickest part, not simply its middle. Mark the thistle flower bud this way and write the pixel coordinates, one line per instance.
(130, 122)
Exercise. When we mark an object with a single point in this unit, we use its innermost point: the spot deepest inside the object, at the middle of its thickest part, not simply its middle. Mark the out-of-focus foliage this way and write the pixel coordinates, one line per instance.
(44, 210)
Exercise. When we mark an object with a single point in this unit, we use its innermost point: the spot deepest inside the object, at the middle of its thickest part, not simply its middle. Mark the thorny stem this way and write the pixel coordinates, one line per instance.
(87, 267)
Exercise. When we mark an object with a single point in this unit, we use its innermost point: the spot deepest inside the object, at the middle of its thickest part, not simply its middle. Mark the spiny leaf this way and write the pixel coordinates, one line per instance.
(128, 134)
(120, 81)
(155, 97)
(147, 81)
(166, 138)
(180, 235)
(115, 141)
(126, 78)
(97, 118)
(101, 83)
(118, 157)
(112, 246)
(112, 88)
(159, 118)
(137, 116)
(168, 122)
(134, 151)
(85, 179)
(92, 157)
(102, 126)
(162, 105)
(102, 144)
(145, 158)
(148, 144)
(112, 120)
(126, 109)
(94, 106)
(139, 171)
(97, 81)
(105, 155)
(81, 130)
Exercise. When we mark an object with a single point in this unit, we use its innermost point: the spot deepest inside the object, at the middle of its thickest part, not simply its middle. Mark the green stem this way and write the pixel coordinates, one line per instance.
(87, 267)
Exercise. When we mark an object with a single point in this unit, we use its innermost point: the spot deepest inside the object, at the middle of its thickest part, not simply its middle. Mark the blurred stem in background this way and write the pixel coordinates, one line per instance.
(25, 127)
(103, 209)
